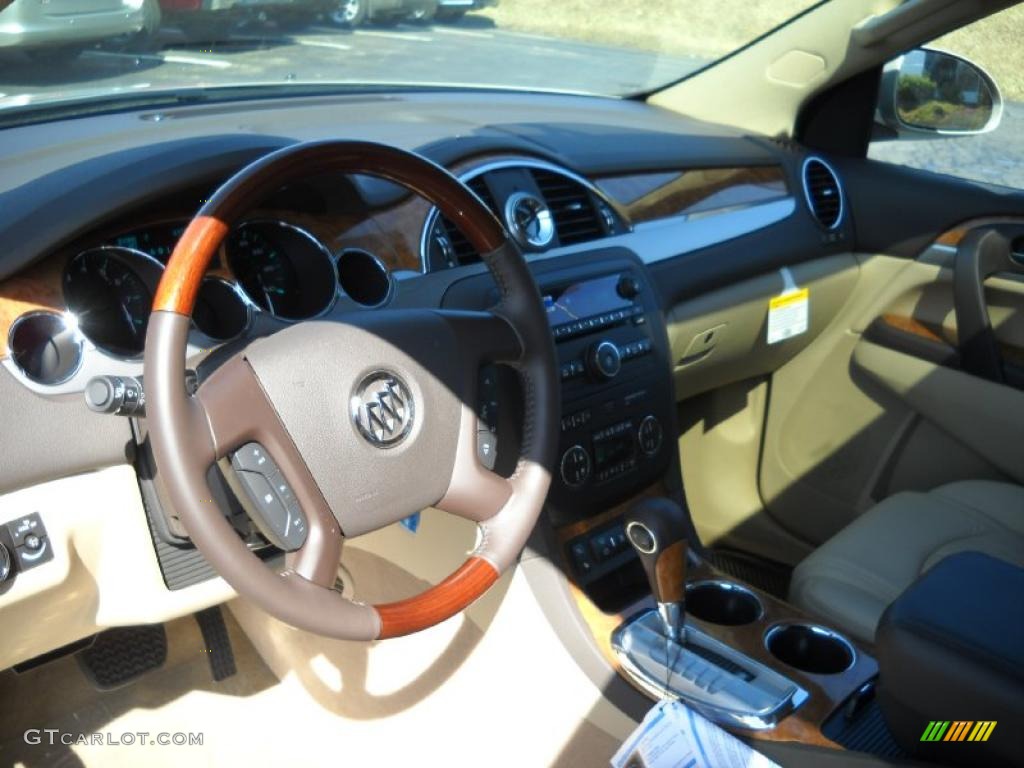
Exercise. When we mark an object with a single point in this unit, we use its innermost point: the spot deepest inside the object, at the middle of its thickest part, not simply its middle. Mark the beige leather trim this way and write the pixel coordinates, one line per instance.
(720, 444)
(853, 577)
(736, 318)
(104, 572)
(987, 417)
(769, 81)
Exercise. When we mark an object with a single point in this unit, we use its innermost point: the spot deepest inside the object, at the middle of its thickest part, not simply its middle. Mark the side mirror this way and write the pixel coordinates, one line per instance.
(937, 93)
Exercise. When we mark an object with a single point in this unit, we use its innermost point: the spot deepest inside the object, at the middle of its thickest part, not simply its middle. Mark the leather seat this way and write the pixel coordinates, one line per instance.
(851, 579)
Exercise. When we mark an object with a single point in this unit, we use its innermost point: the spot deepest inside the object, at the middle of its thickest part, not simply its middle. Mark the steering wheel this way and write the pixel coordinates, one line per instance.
(368, 417)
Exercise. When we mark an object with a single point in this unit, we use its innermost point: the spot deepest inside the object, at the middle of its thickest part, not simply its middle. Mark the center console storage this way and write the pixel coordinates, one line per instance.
(951, 652)
(722, 602)
(810, 648)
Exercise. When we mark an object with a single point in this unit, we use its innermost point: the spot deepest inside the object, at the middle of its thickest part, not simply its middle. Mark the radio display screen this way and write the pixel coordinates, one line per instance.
(580, 300)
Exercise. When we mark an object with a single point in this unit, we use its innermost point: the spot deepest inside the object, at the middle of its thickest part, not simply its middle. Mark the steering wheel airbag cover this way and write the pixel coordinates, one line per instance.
(366, 486)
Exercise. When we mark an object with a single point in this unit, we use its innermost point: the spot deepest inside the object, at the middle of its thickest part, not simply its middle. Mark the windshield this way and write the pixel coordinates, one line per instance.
(60, 50)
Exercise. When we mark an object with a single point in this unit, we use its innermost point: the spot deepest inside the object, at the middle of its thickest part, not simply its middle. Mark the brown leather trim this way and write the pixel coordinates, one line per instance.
(184, 447)
(238, 411)
(448, 598)
(180, 283)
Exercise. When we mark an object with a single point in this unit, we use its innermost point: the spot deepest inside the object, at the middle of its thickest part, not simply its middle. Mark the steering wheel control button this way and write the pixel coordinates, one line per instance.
(604, 360)
(252, 457)
(271, 502)
(382, 409)
(575, 466)
(5, 562)
(284, 529)
(650, 434)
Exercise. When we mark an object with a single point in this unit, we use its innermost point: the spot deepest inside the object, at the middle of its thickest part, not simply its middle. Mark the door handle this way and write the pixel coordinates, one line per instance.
(984, 252)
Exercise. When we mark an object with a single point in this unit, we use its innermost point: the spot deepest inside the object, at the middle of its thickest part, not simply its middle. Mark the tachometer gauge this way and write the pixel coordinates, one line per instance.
(282, 269)
(110, 292)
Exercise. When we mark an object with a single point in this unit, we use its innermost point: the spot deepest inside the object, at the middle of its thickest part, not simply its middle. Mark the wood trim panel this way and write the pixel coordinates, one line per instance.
(34, 289)
(454, 594)
(918, 328)
(827, 692)
(651, 196)
(952, 237)
(939, 334)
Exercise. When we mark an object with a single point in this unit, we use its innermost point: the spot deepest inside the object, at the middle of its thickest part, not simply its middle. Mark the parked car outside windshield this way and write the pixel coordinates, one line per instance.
(534, 45)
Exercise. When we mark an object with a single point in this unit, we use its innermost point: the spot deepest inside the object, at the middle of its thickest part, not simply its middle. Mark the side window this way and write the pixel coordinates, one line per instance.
(957, 106)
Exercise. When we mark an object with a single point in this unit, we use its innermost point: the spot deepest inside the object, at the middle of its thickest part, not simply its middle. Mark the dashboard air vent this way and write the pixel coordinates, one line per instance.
(577, 219)
(824, 195)
(463, 251)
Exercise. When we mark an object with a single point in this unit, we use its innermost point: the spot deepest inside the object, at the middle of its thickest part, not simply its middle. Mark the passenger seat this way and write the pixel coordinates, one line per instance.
(853, 577)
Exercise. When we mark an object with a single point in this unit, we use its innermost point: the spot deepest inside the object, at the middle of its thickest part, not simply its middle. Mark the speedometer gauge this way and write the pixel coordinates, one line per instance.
(110, 292)
(283, 270)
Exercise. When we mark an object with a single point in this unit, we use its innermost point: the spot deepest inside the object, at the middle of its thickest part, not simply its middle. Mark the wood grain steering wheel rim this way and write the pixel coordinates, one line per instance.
(288, 393)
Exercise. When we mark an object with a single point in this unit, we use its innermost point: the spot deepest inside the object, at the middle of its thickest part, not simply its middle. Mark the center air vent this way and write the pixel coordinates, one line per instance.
(824, 195)
(461, 250)
(576, 217)
(575, 211)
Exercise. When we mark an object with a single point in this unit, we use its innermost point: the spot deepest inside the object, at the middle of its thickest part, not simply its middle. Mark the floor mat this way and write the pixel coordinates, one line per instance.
(60, 695)
(764, 574)
(866, 732)
(120, 655)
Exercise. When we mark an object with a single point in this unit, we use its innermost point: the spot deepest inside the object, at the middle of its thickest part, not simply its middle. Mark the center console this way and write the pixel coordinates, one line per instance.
(617, 425)
(743, 657)
(617, 430)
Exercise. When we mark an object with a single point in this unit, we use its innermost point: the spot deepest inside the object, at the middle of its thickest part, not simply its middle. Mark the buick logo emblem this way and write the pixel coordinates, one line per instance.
(382, 409)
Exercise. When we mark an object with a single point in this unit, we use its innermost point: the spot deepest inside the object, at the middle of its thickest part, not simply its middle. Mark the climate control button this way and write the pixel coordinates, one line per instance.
(650, 435)
(575, 466)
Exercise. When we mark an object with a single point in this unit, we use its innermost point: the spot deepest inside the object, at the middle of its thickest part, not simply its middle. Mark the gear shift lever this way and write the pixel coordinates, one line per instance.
(657, 530)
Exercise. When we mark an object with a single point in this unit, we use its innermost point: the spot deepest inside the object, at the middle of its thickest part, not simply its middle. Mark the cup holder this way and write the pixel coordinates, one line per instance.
(722, 602)
(810, 648)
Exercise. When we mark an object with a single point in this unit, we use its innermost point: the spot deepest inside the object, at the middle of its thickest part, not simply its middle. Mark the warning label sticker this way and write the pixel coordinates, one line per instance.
(788, 315)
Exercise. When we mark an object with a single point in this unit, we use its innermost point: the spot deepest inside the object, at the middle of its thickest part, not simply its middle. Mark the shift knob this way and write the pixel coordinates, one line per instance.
(657, 530)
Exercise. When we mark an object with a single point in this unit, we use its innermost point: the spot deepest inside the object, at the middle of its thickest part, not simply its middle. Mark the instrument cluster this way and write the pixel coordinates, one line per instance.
(264, 268)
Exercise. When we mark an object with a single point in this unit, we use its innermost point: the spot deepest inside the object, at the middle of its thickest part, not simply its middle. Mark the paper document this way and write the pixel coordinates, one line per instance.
(788, 315)
(674, 736)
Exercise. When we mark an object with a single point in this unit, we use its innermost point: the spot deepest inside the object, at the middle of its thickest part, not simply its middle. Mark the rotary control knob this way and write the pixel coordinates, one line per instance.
(628, 287)
(604, 360)
(575, 466)
(650, 435)
(5, 563)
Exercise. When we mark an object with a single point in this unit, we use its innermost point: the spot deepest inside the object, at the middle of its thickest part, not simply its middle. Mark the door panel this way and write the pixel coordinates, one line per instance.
(876, 405)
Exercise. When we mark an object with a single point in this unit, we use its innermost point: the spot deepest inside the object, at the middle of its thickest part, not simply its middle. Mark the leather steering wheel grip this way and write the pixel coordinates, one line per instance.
(189, 433)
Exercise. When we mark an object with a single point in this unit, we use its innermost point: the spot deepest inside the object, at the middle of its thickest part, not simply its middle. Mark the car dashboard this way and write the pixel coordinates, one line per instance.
(623, 212)
(330, 245)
